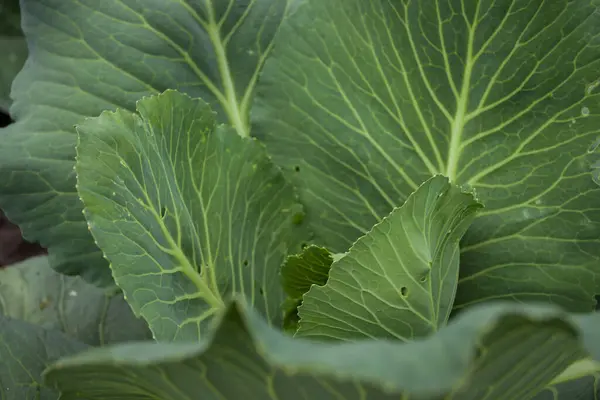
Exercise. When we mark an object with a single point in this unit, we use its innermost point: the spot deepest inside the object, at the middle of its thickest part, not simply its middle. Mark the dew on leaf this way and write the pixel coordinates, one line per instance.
(585, 111)
(594, 145)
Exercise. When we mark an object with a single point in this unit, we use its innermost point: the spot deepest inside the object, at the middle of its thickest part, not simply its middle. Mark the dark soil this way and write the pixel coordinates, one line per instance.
(13, 248)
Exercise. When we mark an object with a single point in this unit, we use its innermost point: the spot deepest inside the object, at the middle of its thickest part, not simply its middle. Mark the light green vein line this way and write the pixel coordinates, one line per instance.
(430, 90)
(209, 263)
(444, 53)
(542, 267)
(232, 106)
(335, 139)
(482, 109)
(459, 121)
(368, 136)
(517, 153)
(398, 115)
(188, 269)
(150, 88)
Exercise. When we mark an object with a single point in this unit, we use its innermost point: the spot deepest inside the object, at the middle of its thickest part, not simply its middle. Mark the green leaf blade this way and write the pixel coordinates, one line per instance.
(379, 96)
(301, 271)
(26, 350)
(298, 274)
(76, 69)
(475, 355)
(578, 382)
(33, 292)
(399, 280)
(186, 212)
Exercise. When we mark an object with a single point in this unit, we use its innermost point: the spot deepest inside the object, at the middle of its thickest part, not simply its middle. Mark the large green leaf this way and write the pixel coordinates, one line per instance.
(10, 18)
(26, 350)
(186, 212)
(14, 53)
(89, 56)
(378, 96)
(399, 280)
(12, 47)
(33, 292)
(578, 382)
(497, 351)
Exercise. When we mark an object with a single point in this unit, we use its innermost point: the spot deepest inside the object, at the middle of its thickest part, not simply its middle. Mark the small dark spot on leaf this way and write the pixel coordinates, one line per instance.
(303, 245)
(404, 291)
(298, 218)
(423, 278)
(163, 212)
(245, 263)
(261, 291)
(597, 297)
(297, 168)
(479, 351)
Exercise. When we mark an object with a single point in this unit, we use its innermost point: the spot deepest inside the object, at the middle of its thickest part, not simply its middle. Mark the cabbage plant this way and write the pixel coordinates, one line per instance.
(309, 199)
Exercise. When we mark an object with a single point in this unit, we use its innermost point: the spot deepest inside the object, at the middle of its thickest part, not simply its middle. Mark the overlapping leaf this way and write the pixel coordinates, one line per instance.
(578, 382)
(378, 96)
(186, 212)
(298, 274)
(26, 350)
(399, 280)
(13, 48)
(31, 291)
(494, 351)
(89, 56)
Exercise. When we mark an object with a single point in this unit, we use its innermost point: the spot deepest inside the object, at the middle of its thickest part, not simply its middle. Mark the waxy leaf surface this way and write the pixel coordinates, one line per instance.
(186, 212)
(399, 280)
(87, 56)
(32, 291)
(495, 351)
(26, 350)
(502, 96)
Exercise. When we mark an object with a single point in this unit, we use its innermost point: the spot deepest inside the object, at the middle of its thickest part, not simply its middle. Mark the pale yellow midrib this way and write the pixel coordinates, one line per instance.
(455, 149)
(232, 106)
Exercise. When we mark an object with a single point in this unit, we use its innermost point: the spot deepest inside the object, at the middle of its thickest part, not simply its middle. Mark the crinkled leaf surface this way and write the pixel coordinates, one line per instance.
(26, 350)
(301, 271)
(87, 56)
(33, 292)
(378, 96)
(520, 349)
(298, 274)
(186, 212)
(399, 280)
